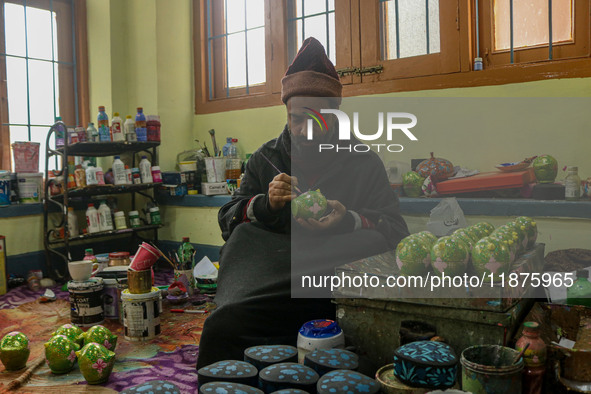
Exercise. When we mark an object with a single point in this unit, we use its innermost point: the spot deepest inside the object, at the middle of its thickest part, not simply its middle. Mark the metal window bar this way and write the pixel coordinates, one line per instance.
(226, 43)
(550, 49)
(550, 41)
(511, 27)
(397, 30)
(38, 59)
(427, 24)
(246, 45)
(477, 28)
(76, 109)
(27, 72)
(327, 31)
(53, 59)
(209, 50)
(303, 19)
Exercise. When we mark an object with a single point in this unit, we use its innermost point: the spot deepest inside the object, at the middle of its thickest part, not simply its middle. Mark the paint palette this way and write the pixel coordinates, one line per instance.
(263, 356)
(327, 360)
(287, 376)
(231, 371)
(427, 364)
(345, 381)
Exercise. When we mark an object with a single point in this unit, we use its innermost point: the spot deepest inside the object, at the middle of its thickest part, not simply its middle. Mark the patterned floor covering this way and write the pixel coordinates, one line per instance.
(170, 356)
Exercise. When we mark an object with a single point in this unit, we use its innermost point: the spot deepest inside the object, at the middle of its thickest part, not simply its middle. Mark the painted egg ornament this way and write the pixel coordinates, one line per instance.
(521, 231)
(508, 236)
(96, 362)
(478, 232)
(427, 236)
(491, 256)
(506, 239)
(438, 169)
(545, 168)
(60, 354)
(485, 227)
(412, 183)
(429, 188)
(72, 332)
(465, 236)
(100, 334)
(14, 351)
(450, 255)
(309, 205)
(519, 236)
(413, 256)
(531, 229)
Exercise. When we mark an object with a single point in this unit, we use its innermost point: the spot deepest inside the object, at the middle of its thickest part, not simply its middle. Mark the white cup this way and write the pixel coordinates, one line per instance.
(82, 270)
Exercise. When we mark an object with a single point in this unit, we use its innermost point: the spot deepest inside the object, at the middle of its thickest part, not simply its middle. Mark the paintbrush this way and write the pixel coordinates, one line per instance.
(215, 145)
(297, 189)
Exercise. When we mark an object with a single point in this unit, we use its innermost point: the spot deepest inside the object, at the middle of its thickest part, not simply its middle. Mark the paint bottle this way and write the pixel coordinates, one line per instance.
(105, 220)
(128, 175)
(156, 174)
(134, 219)
(119, 174)
(103, 125)
(155, 216)
(186, 252)
(120, 223)
(91, 176)
(153, 127)
(534, 358)
(80, 176)
(136, 175)
(91, 133)
(572, 184)
(129, 126)
(92, 220)
(116, 129)
(146, 170)
(580, 292)
(140, 125)
(72, 223)
(89, 256)
(81, 134)
(100, 176)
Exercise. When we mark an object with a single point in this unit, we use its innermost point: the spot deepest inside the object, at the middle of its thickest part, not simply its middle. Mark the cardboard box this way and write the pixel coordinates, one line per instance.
(214, 188)
(3, 282)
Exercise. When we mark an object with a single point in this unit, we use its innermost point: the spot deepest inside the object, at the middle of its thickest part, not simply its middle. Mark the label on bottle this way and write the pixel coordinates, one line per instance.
(104, 133)
(92, 223)
(572, 188)
(117, 133)
(105, 221)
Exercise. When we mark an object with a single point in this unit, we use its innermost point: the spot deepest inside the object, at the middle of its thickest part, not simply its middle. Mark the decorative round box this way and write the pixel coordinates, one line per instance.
(153, 387)
(227, 388)
(345, 381)
(326, 360)
(287, 376)
(231, 371)
(450, 255)
(100, 334)
(413, 256)
(290, 391)
(96, 363)
(531, 229)
(309, 205)
(60, 354)
(426, 364)
(263, 356)
(439, 169)
(72, 332)
(14, 351)
(491, 256)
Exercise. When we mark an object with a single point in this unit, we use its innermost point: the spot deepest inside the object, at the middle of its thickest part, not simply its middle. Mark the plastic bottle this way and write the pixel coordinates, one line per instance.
(226, 147)
(91, 133)
(119, 171)
(580, 292)
(116, 129)
(153, 127)
(572, 184)
(91, 176)
(129, 127)
(80, 176)
(103, 125)
(120, 220)
(186, 253)
(105, 220)
(155, 215)
(156, 174)
(60, 132)
(72, 223)
(92, 219)
(140, 125)
(134, 219)
(81, 134)
(146, 170)
(233, 163)
(100, 176)
(89, 256)
(128, 175)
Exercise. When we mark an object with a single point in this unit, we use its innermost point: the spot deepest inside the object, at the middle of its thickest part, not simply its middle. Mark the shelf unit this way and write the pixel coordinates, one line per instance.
(62, 247)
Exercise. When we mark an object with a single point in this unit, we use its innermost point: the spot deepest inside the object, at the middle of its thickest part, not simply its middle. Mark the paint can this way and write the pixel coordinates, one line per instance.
(86, 302)
(112, 296)
(490, 369)
(141, 314)
(139, 282)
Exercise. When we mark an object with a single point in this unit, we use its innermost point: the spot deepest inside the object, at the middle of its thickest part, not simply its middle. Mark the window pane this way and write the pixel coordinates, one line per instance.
(332, 53)
(39, 24)
(39, 134)
(411, 21)
(41, 91)
(256, 56)
(14, 29)
(312, 7)
(18, 133)
(16, 74)
(236, 60)
(255, 14)
(315, 26)
(235, 14)
(530, 23)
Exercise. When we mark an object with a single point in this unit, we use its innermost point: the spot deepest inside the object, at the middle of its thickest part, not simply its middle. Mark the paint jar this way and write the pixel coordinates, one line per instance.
(153, 126)
(141, 314)
(490, 368)
(319, 334)
(156, 174)
(134, 219)
(478, 66)
(155, 215)
(86, 302)
(120, 223)
(117, 259)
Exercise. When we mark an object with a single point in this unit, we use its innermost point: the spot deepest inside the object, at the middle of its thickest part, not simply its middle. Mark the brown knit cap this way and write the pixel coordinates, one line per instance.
(311, 74)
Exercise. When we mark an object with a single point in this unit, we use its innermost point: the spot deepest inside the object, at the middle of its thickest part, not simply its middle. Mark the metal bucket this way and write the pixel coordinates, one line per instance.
(489, 369)
(86, 302)
(141, 314)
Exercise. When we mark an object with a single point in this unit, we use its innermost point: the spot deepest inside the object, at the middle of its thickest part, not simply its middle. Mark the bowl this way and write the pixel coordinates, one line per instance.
(511, 167)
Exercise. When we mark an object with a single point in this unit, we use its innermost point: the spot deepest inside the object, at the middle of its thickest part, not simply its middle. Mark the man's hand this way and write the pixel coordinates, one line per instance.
(328, 221)
(280, 191)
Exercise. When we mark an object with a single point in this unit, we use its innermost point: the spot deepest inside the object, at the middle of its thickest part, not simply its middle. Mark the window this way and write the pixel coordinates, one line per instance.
(41, 48)
(381, 46)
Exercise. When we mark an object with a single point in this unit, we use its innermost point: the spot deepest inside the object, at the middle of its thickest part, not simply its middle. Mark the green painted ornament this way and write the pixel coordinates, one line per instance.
(478, 232)
(100, 334)
(450, 255)
(468, 237)
(96, 362)
(60, 354)
(521, 233)
(412, 256)
(309, 205)
(427, 236)
(72, 332)
(491, 256)
(531, 229)
(485, 227)
(14, 351)
(412, 183)
(545, 168)
(510, 237)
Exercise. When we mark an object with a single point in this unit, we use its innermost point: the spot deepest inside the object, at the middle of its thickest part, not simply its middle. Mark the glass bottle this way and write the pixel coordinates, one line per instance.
(572, 184)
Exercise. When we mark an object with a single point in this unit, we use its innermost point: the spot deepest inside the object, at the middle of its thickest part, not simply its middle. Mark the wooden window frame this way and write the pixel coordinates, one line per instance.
(66, 82)
(352, 53)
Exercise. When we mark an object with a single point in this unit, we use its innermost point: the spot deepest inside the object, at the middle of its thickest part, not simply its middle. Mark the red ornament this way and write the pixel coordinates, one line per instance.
(437, 168)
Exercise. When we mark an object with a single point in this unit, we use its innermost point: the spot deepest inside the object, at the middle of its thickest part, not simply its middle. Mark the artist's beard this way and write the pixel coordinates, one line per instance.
(304, 149)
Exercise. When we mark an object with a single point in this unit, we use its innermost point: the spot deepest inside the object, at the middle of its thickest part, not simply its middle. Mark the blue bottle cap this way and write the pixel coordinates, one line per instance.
(322, 328)
(117, 157)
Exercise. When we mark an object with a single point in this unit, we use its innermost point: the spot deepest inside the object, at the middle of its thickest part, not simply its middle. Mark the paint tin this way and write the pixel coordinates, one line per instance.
(139, 282)
(490, 369)
(86, 302)
(141, 314)
(112, 296)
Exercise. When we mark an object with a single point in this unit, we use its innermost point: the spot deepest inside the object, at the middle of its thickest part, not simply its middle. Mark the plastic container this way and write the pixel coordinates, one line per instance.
(226, 147)
(153, 127)
(119, 174)
(215, 169)
(319, 334)
(141, 314)
(478, 66)
(140, 125)
(155, 216)
(120, 223)
(30, 187)
(134, 219)
(89, 256)
(233, 162)
(128, 176)
(72, 136)
(100, 176)
(572, 184)
(136, 176)
(81, 133)
(146, 170)
(4, 188)
(72, 223)
(60, 132)
(86, 302)
(103, 125)
(156, 174)
(80, 176)
(92, 220)
(26, 156)
(129, 127)
(91, 133)
(105, 220)
(116, 128)
(91, 176)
